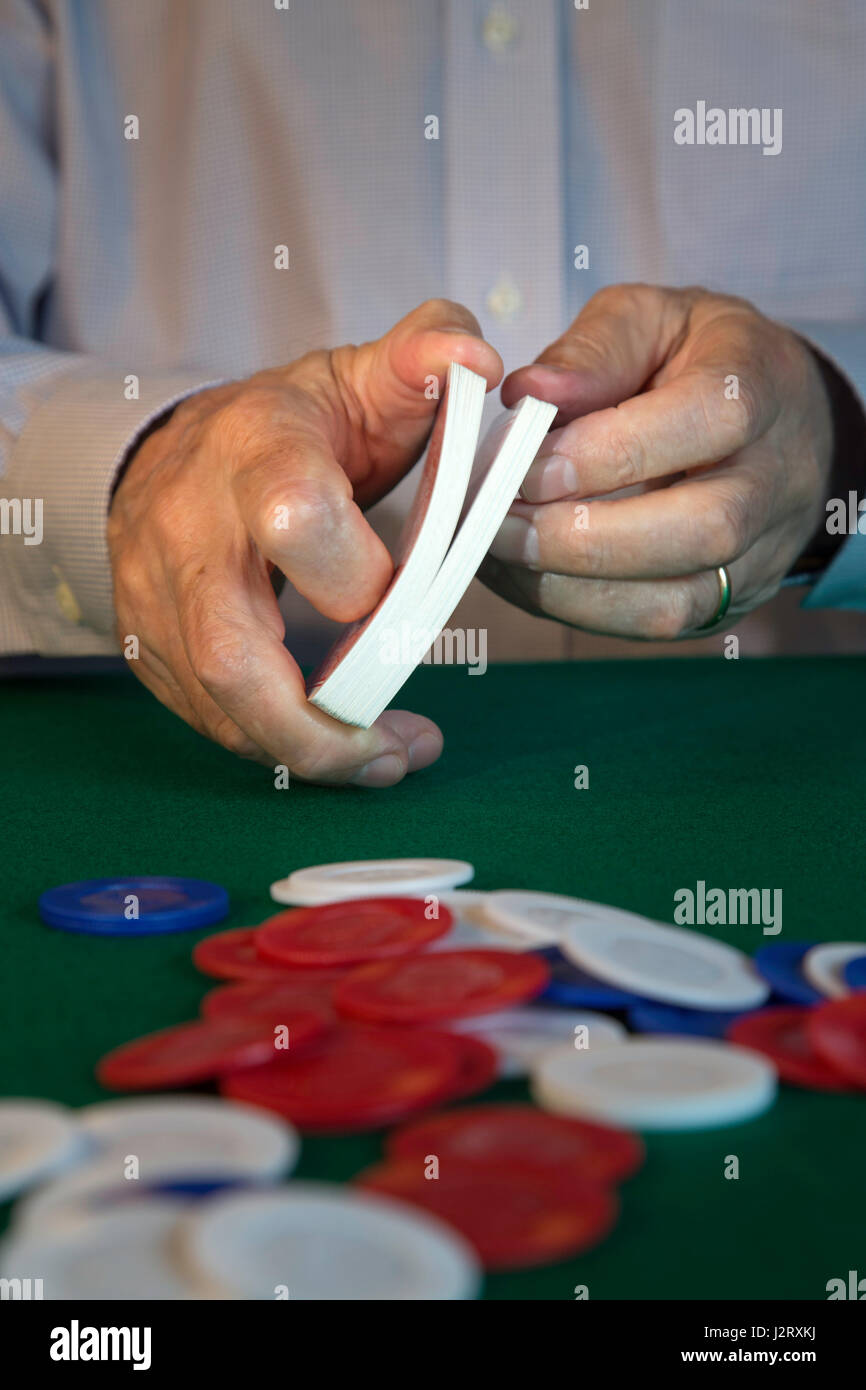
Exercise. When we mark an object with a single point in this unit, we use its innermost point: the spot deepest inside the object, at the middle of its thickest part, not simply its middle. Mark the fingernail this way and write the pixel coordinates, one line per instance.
(383, 771)
(516, 541)
(424, 750)
(549, 479)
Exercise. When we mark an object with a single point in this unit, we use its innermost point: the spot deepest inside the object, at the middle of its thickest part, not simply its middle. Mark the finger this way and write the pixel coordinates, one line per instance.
(174, 686)
(253, 680)
(618, 341)
(696, 524)
(648, 610)
(297, 506)
(422, 738)
(396, 384)
(687, 422)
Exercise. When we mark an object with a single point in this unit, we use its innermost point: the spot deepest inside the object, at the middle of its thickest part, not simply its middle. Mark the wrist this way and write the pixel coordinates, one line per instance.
(847, 469)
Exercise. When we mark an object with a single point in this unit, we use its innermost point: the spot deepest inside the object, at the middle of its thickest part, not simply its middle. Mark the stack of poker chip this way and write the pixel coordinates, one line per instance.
(384, 992)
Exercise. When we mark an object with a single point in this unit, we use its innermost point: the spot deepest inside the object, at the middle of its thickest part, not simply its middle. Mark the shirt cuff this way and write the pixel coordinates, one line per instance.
(65, 461)
(843, 582)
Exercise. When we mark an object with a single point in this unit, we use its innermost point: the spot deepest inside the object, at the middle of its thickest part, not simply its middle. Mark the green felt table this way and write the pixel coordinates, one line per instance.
(741, 773)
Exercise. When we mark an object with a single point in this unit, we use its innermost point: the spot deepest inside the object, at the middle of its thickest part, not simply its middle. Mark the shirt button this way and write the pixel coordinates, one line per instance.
(505, 300)
(499, 30)
(65, 599)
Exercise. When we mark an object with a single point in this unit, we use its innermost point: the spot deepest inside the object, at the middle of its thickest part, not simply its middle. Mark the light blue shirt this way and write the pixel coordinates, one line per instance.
(399, 149)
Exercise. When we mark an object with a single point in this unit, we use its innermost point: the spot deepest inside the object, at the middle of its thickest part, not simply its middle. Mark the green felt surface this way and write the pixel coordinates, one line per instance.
(740, 773)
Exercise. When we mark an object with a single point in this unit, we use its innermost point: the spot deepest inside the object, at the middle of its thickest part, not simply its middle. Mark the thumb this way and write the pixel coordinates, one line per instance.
(618, 341)
(398, 380)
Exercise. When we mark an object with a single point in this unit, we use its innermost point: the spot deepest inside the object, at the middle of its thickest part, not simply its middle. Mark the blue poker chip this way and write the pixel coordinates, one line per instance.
(134, 906)
(780, 963)
(649, 1017)
(574, 987)
(854, 973)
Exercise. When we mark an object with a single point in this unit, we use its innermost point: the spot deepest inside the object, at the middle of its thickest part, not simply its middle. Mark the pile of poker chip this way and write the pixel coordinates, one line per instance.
(384, 996)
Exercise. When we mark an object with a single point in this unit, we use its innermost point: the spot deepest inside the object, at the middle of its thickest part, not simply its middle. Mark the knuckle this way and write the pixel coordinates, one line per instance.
(629, 457)
(727, 530)
(219, 662)
(744, 411)
(671, 620)
(305, 504)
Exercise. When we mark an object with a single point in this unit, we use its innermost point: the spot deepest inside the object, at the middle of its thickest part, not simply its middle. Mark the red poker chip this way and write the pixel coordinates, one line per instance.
(350, 932)
(478, 1067)
(304, 990)
(356, 1078)
(232, 955)
(837, 1031)
(514, 1217)
(441, 985)
(783, 1036)
(521, 1137)
(199, 1051)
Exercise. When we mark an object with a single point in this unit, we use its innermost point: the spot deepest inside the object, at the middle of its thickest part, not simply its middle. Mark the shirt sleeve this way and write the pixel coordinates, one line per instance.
(67, 420)
(843, 583)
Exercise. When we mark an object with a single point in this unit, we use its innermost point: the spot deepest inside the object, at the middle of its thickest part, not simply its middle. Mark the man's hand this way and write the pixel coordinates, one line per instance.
(272, 473)
(714, 415)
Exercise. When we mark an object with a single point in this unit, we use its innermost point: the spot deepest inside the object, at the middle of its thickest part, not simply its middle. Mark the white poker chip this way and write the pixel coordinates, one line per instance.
(198, 1135)
(126, 1253)
(657, 1083)
(824, 966)
(543, 918)
(469, 934)
(320, 1242)
(522, 1036)
(463, 900)
(657, 961)
(370, 878)
(37, 1139)
(87, 1193)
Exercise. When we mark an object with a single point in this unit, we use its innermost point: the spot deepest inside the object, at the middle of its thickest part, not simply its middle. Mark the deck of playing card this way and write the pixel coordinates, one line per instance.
(436, 558)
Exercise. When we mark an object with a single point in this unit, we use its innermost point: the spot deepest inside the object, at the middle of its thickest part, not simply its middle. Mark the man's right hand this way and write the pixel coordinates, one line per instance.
(272, 473)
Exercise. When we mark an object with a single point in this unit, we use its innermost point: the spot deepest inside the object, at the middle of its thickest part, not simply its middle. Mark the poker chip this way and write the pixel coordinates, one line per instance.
(355, 1078)
(477, 1067)
(520, 1036)
(440, 985)
(199, 1051)
(100, 1187)
(657, 1083)
(462, 900)
(305, 991)
(350, 932)
(854, 973)
(473, 934)
(544, 918)
(520, 1137)
(781, 1035)
(322, 1242)
(232, 955)
(649, 1017)
(670, 964)
(124, 1253)
(781, 964)
(371, 878)
(37, 1140)
(571, 986)
(191, 1134)
(823, 966)
(837, 1031)
(513, 1217)
(134, 906)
